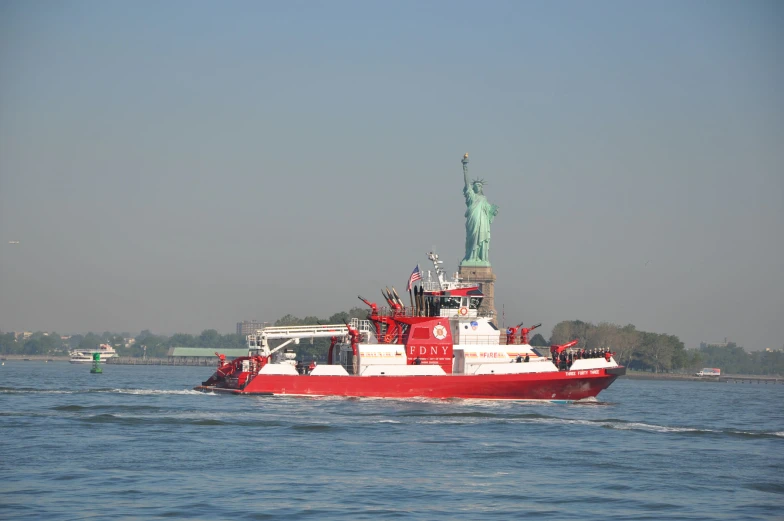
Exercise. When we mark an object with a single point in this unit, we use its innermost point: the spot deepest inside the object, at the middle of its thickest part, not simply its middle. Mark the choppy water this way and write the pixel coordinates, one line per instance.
(135, 442)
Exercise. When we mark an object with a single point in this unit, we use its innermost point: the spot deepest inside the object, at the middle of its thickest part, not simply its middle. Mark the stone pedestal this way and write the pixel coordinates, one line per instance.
(484, 276)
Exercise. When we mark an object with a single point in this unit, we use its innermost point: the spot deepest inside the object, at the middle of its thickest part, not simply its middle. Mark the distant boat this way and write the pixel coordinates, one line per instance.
(81, 356)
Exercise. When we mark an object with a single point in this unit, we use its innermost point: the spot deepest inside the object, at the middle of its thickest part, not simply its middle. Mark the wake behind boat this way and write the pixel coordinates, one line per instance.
(441, 346)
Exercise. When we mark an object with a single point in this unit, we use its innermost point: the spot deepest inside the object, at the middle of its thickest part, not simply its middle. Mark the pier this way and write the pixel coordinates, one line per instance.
(172, 360)
(751, 379)
(729, 378)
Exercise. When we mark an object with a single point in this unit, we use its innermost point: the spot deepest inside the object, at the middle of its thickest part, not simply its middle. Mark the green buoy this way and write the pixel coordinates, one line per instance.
(96, 364)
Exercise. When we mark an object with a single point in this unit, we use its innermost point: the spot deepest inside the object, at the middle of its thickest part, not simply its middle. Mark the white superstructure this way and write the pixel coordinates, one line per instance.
(79, 356)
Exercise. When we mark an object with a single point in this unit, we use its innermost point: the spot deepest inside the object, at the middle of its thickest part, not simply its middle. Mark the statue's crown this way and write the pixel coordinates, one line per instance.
(478, 181)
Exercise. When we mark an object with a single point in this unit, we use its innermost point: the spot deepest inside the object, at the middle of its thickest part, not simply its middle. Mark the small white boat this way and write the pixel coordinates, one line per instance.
(81, 356)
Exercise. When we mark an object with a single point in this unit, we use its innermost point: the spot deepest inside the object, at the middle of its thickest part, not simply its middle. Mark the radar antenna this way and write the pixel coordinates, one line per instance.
(439, 270)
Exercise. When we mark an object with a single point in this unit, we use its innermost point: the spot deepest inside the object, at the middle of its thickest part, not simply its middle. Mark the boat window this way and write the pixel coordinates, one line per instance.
(422, 333)
(475, 302)
(433, 306)
(493, 325)
(450, 302)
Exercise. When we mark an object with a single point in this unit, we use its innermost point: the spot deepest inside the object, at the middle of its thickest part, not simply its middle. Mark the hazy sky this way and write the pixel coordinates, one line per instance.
(178, 166)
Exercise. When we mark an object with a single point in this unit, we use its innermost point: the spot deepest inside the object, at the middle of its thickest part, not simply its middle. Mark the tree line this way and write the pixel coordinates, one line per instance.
(657, 352)
(641, 350)
(156, 346)
(638, 350)
(733, 359)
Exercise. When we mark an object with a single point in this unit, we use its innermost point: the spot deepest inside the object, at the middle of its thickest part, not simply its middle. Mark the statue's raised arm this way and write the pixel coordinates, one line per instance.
(465, 172)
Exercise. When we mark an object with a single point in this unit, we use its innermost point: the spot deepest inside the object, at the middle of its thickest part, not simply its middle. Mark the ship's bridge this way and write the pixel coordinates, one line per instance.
(444, 297)
(459, 302)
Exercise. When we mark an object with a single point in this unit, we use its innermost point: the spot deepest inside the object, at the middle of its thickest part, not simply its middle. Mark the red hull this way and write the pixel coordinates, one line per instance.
(561, 385)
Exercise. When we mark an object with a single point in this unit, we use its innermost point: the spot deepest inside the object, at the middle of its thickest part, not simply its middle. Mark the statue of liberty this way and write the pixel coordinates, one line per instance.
(479, 216)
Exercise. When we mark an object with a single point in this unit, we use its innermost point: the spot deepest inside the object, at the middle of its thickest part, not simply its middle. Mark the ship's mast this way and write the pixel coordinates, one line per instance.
(439, 270)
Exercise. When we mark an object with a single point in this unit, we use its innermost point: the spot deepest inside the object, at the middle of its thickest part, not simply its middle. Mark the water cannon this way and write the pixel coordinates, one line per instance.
(353, 333)
(386, 297)
(348, 326)
(563, 347)
(524, 332)
(393, 299)
(372, 305)
(394, 302)
(398, 299)
(511, 332)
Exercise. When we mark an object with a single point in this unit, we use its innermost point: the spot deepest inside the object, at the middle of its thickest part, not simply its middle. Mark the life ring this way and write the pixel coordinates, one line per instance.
(463, 311)
(387, 339)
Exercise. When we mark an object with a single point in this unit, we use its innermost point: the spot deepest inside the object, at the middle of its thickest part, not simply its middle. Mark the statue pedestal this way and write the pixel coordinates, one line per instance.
(484, 276)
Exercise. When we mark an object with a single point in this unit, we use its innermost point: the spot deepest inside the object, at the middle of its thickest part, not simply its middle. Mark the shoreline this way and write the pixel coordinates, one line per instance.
(725, 378)
(35, 358)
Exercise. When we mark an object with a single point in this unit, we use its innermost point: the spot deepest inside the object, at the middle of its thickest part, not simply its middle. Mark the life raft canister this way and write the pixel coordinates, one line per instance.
(463, 311)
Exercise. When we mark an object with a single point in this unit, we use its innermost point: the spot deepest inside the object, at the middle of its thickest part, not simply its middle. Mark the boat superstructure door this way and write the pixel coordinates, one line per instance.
(458, 363)
(347, 359)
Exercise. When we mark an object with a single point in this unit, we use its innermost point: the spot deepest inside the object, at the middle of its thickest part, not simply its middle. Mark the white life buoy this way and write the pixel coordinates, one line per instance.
(463, 311)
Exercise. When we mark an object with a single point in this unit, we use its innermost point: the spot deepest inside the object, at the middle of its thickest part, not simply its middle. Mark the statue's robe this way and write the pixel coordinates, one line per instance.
(479, 216)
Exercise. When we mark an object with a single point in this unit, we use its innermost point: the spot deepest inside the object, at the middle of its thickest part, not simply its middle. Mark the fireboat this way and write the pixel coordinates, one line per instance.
(443, 345)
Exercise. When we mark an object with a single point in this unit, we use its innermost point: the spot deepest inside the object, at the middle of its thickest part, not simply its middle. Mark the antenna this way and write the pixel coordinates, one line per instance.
(437, 265)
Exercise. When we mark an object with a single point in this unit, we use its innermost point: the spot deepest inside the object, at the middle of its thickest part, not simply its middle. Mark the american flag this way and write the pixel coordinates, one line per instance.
(415, 276)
